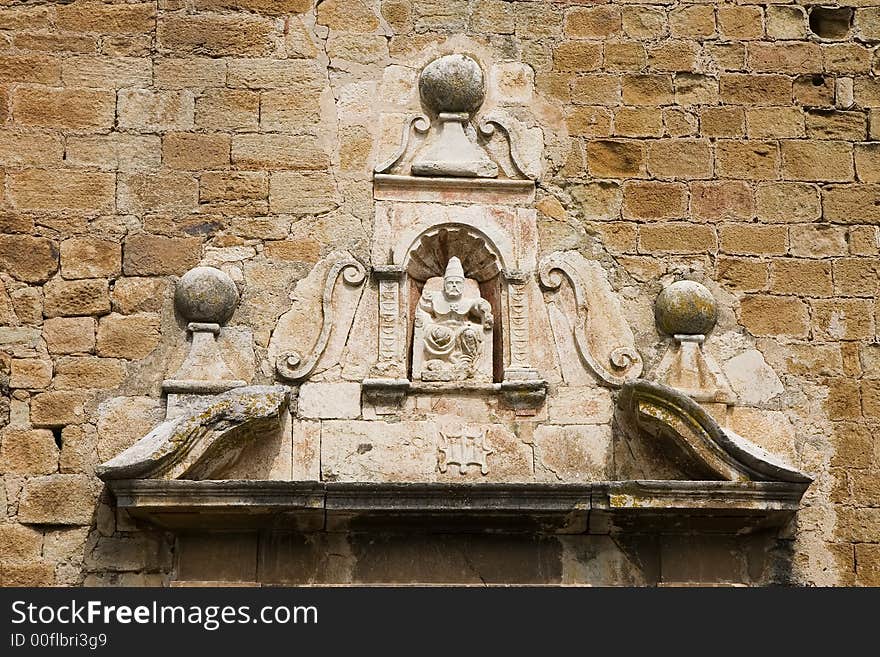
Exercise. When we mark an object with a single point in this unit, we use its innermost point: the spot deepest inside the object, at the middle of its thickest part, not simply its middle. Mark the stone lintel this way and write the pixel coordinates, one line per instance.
(393, 187)
(600, 507)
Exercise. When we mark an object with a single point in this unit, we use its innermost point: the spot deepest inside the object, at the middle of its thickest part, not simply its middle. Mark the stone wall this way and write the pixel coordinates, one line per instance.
(727, 142)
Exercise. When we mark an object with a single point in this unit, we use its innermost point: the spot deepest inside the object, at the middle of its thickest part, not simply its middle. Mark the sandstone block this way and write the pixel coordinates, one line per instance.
(19, 543)
(616, 159)
(788, 202)
(593, 22)
(677, 237)
(88, 372)
(691, 89)
(102, 18)
(140, 193)
(20, 148)
(128, 336)
(649, 90)
(679, 159)
(625, 56)
(641, 22)
(107, 72)
(814, 90)
(290, 111)
(744, 89)
(86, 257)
(189, 73)
(228, 109)
(57, 500)
(750, 239)
(654, 200)
(721, 200)
(863, 240)
(834, 124)
(233, 185)
(62, 190)
(30, 373)
(852, 445)
(771, 315)
(692, 21)
(578, 405)
(775, 122)
(638, 122)
(260, 151)
(803, 277)
(796, 57)
(843, 401)
(84, 110)
(341, 401)
(851, 204)
(738, 22)
(28, 574)
(155, 255)
(186, 150)
(577, 56)
(749, 160)
(596, 89)
(829, 161)
(843, 319)
(786, 22)
(116, 151)
(867, 558)
(302, 193)
(36, 69)
(29, 259)
(573, 453)
(673, 56)
(227, 35)
(27, 452)
(69, 335)
(588, 121)
(78, 449)
(75, 298)
(53, 409)
(817, 241)
(856, 276)
(155, 111)
(742, 274)
(301, 75)
(722, 122)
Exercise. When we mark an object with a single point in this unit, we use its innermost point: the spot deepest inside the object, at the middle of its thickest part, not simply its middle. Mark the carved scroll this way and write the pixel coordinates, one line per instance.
(292, 365)
(421, 124)
(602, 337)
(487, 129)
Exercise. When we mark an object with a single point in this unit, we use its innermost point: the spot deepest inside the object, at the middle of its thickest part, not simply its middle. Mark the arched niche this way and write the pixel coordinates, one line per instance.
(481, 260)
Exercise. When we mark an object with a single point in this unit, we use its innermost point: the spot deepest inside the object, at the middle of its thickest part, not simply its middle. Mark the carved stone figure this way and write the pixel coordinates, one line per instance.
(453, 329)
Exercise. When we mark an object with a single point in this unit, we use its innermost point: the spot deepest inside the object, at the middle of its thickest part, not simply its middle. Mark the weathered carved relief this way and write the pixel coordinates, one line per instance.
(464, 448)
(602, 338)
(453, 329)
(295, 366)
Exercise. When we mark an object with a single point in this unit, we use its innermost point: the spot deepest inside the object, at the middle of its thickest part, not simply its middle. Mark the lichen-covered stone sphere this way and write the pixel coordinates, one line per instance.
(452, 83)
(685, 308)
(206, 294)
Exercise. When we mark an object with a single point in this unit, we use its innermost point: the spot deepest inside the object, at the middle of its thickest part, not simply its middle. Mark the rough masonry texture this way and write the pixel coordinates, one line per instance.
(735, 144)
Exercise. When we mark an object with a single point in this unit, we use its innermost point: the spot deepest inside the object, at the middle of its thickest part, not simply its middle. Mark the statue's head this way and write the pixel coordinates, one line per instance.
(453, 279)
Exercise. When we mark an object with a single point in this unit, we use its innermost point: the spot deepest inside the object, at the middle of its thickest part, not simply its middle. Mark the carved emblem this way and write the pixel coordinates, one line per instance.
(464, 449)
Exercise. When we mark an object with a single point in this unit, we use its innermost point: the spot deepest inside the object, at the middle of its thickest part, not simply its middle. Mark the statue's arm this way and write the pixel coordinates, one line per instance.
(484, 310)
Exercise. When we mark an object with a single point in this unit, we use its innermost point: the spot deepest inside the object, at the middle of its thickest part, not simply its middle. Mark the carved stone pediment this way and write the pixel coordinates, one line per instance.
(458, 374)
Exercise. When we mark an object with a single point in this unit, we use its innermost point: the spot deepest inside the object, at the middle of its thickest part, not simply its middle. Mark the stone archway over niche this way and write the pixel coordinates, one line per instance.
(431, 250)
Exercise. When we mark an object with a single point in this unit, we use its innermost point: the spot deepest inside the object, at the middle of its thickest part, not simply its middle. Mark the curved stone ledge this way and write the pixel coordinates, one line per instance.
(199, 443)
(693, 440)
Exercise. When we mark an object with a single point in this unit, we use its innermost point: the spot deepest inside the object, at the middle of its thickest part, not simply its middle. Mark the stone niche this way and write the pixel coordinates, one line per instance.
(459, 379)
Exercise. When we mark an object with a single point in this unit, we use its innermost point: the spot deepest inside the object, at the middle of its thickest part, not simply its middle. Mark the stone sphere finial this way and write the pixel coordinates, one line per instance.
(685, 308)
(452, 83)
(206, 294)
